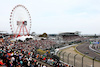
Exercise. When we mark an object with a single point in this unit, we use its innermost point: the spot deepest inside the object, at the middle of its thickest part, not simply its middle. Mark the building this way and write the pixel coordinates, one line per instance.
(69, 34)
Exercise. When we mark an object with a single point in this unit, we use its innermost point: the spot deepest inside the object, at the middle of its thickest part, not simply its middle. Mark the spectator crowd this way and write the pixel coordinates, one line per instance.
(24, 54)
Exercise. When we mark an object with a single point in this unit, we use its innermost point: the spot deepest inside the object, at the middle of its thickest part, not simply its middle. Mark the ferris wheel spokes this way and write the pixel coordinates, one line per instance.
(16, 31)
(18, 21)
(27, 31)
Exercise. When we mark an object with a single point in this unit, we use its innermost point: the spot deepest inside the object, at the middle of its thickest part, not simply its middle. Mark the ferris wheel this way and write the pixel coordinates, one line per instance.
(20, 21)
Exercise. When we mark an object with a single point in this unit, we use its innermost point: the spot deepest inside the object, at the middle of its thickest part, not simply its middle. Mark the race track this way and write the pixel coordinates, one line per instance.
(84, 48)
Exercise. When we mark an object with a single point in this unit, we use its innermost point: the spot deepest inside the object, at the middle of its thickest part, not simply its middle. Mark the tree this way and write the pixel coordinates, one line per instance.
(44, 34)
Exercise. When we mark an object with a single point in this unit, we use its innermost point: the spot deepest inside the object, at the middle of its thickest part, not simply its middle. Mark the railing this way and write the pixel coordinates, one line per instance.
(75, 59)
(93, 49)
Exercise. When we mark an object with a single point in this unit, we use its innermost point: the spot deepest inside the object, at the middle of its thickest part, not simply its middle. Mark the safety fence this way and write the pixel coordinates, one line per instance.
(76, 60)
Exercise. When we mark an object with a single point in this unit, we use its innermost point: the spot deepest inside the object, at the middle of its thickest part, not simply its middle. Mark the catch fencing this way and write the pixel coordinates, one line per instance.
(76, 60)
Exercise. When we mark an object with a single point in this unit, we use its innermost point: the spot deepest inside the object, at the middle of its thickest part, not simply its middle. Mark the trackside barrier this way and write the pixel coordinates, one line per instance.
(67, 46)
(73, 60)
(57, 52)
(93, 49)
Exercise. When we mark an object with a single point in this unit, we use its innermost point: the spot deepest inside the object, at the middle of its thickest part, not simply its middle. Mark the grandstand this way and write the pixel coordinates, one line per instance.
(69, 33)
(73, 37)
(67, 36)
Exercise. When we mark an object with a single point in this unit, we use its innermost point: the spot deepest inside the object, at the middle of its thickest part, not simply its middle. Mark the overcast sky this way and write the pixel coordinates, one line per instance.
(56, 16)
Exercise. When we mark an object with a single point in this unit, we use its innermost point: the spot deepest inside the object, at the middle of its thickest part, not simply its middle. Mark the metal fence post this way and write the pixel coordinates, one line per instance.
(59, 53)
(74, 59)
(68, 58)
(63, 56)
(93, 61)
(82, 60)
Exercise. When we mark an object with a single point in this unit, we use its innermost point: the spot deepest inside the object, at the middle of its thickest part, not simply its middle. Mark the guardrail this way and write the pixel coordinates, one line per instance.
(93, 49)
(73, 59)
(62, 49)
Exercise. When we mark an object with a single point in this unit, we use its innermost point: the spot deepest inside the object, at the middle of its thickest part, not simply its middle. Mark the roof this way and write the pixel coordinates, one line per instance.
(22, 38)
(66, 32)
(3, 32)
(69, 33)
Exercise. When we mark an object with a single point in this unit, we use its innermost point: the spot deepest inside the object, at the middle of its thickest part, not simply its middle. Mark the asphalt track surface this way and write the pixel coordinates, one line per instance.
(83, 48)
